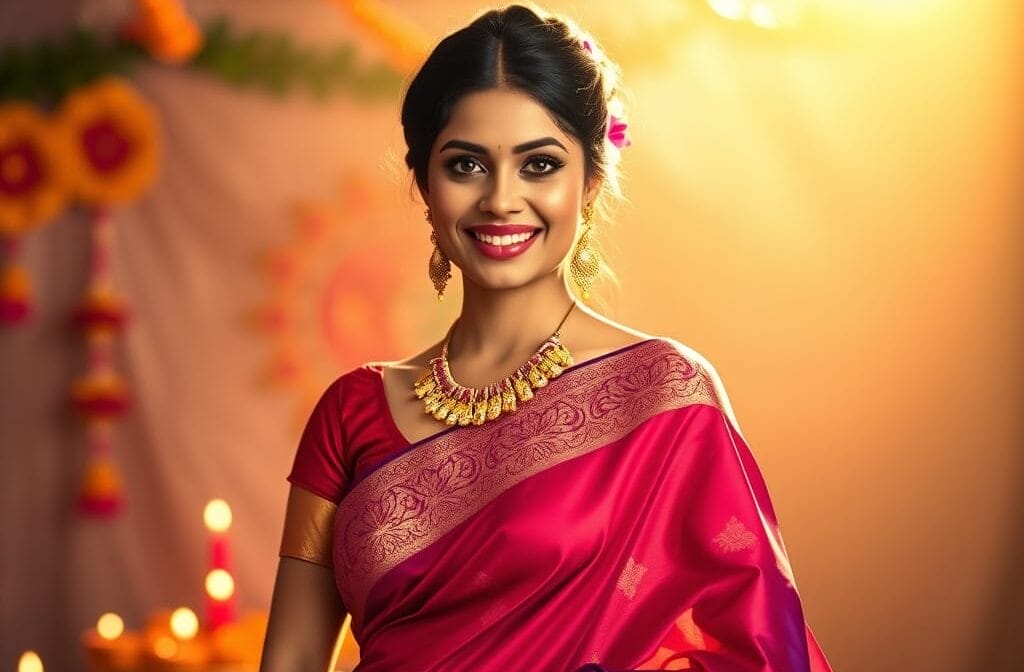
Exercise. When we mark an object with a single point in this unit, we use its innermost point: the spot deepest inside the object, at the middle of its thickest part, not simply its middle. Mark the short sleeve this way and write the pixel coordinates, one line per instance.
(320, 464)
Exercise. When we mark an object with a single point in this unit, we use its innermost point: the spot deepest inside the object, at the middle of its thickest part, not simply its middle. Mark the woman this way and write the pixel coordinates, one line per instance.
(490, 505)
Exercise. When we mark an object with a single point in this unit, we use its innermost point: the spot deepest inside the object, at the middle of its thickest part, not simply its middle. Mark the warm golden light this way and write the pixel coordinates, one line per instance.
(770, 14)
(184, 623)
(30, 662)
(763, 16)
(217, 515)
(220, 585)
(728, 9)
(110, 626)
(165, 647)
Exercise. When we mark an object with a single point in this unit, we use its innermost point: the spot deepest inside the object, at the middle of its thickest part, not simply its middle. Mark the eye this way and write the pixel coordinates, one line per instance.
(544, 164)
(463, 165)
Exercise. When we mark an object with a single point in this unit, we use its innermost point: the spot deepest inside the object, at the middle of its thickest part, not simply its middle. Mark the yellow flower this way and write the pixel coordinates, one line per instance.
(33, 173)
(112, 139)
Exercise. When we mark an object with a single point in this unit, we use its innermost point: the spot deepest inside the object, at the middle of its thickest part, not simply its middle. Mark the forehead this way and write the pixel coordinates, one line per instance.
(501, 117)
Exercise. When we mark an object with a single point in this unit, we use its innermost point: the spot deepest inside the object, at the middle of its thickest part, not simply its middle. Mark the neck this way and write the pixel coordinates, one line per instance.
(496, 326)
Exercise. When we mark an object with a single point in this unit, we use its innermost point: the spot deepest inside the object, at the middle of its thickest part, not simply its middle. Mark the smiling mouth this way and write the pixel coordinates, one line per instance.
(507, 239)
(503, 246)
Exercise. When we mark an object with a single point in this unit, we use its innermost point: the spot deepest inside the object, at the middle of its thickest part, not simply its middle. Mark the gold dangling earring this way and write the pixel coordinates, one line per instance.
(440, 268)
(586, 261)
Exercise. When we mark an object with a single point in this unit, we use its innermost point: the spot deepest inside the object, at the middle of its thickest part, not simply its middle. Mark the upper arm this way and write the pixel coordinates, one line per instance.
(306, 610)
(306, 615)
(308, 528)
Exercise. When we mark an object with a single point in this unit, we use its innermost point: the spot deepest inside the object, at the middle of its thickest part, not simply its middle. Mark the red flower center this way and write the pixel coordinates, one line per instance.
(21, 171)
(106, 148)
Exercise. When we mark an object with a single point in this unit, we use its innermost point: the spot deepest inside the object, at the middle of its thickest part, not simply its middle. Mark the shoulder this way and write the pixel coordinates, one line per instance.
(697, 363)
(348, 387)
(418, 360)
(604, 337)
(355, 376)
(406, 370)
(688, 355)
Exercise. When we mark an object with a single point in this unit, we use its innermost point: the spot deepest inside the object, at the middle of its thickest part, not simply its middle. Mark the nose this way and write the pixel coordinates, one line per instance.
(502, 197)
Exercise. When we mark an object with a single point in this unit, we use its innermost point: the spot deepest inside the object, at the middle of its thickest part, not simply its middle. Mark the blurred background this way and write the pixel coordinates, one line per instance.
(824, 197)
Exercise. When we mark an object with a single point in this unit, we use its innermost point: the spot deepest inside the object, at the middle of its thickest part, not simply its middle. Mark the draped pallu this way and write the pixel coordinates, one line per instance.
(616, 521)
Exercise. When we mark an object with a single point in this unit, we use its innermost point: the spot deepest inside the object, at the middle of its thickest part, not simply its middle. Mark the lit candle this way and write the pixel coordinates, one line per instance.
(30, 662)
(174, 642)
(109, 648)
(220, 585)
(184, 624)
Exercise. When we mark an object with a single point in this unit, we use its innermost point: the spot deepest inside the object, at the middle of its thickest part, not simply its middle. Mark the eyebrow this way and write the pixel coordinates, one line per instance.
(518, 149)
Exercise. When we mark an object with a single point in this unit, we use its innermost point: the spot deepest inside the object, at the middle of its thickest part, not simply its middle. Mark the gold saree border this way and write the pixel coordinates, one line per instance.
(414, 500)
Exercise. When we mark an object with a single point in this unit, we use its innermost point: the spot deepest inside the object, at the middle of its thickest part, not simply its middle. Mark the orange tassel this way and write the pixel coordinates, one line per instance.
(100, 493)
(15, 295)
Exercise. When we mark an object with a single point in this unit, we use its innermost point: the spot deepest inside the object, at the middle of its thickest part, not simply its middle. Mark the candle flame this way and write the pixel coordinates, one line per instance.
(30, 662)
(220, 585)
(217, 515)
(184, 623)
(110, 626)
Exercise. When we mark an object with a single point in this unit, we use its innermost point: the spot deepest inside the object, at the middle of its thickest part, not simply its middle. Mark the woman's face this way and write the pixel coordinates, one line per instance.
(503, 162)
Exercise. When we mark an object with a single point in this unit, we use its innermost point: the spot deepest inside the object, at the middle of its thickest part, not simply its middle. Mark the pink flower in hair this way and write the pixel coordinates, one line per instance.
(589, 47)
(617, 132)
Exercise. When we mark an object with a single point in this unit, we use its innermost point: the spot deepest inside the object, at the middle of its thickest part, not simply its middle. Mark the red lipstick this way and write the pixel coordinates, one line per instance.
(493, 248)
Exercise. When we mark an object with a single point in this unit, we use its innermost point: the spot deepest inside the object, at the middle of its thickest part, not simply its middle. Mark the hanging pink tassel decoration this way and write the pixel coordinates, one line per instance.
(100, 395)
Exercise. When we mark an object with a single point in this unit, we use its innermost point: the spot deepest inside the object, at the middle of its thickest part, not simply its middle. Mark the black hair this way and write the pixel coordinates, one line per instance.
(546, 57)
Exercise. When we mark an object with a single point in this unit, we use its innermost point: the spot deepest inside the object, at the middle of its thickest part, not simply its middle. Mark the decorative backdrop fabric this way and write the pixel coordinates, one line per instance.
(853, 193)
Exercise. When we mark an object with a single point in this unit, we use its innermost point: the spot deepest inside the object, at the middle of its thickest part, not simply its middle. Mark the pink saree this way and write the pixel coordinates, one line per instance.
(618, 521)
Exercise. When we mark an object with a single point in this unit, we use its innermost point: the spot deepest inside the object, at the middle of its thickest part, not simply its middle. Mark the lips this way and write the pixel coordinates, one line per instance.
(502, 241)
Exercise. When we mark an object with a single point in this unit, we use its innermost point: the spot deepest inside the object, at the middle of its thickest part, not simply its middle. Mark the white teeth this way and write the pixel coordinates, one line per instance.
(503, 240)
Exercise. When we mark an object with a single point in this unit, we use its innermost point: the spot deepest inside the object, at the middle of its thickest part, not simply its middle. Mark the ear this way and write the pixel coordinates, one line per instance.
(424, 195)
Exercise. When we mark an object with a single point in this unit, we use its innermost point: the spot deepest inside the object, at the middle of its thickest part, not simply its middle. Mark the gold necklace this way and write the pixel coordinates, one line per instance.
(452, 403)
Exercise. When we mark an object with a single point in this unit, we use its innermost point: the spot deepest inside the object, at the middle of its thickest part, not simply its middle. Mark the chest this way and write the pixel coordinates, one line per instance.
(407, 412)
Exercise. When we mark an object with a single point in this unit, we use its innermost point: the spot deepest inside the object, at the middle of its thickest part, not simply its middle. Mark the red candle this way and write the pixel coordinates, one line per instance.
(109, 648)
(220, 584)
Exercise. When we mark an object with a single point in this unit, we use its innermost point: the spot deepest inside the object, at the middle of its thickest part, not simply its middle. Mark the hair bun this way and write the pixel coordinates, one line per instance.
(548, 57)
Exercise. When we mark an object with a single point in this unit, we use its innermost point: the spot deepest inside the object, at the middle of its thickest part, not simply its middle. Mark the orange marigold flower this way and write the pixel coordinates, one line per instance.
(33, 172)
(404, 41)
(112, 138)
(166, 30)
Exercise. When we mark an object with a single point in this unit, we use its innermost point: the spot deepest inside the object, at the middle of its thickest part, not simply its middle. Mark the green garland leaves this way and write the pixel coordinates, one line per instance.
(45, 72)
(270, 60)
